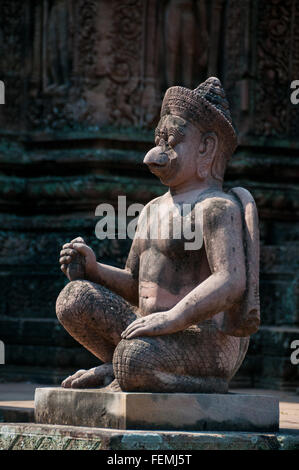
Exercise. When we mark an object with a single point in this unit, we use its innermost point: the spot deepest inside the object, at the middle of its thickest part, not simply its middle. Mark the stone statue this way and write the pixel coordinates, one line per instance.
(57, 61)
(174, 320)
(184, 21)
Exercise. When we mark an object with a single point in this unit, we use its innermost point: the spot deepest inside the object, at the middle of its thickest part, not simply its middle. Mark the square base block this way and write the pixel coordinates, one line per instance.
(157, 411)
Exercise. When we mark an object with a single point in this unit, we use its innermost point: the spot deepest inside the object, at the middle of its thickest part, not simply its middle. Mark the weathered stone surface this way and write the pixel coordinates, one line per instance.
(165, 411)
(40, 437)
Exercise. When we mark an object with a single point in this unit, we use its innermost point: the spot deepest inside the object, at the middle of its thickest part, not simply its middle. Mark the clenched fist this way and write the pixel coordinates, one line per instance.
(78, 261)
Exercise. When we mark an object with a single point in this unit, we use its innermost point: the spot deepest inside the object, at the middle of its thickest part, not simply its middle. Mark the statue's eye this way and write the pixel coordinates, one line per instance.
(175, 137)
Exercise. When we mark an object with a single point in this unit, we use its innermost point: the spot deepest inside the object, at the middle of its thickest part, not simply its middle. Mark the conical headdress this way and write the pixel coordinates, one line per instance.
(206, 106)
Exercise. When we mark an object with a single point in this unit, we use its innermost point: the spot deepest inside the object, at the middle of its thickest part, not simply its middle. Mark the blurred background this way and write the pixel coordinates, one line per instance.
(84, 82)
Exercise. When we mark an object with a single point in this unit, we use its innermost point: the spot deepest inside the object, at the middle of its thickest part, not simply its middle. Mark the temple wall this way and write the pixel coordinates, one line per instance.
(83, 86)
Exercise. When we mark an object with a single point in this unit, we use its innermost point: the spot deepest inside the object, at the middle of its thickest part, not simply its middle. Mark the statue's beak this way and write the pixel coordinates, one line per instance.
(156, 159)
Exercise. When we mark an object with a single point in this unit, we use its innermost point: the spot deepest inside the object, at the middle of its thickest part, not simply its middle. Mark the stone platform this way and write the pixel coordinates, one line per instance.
(155, 411)
(54, 437)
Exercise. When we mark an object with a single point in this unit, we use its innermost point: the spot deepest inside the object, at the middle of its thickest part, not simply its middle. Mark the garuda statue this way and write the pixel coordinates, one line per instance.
(174, 319)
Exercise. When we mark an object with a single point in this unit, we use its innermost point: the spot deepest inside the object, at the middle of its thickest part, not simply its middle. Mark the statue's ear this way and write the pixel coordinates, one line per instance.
(206, 153)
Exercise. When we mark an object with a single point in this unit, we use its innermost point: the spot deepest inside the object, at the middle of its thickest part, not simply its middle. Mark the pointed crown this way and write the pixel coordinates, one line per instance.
(206, 106)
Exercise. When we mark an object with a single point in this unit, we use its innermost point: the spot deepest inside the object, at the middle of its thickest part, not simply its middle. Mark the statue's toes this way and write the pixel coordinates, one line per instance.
(113, 387)
(87, 380)
(67, 383)
(92, 379)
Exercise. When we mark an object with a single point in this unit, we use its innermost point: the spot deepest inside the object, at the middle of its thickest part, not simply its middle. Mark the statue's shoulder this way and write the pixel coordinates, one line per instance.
(242, 195)
(219, 204)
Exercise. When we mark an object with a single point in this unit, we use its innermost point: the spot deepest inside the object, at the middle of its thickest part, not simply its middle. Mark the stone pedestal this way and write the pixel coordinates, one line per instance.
(157, 411)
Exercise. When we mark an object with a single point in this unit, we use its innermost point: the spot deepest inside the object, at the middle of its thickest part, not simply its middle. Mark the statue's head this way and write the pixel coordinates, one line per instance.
(195, 137)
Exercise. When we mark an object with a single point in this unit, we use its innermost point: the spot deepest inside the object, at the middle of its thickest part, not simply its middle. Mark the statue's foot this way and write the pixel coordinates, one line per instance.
(100, 376)
(112, 387)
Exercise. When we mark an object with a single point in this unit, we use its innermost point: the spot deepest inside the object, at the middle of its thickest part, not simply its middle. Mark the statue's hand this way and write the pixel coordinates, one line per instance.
(155, 324)
(72, 253)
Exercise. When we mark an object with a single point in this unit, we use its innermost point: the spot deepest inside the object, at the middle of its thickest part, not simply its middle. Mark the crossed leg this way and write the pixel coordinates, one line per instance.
(196, 360)
(95, 317)
(199, 359)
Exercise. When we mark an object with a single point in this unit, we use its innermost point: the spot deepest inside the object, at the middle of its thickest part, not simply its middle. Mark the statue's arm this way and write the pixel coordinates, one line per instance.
(123, 282)
(120, 281)
(223, 240)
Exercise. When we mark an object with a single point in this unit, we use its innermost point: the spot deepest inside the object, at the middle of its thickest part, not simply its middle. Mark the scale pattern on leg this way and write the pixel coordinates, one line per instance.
(94, 316)
(181, 362)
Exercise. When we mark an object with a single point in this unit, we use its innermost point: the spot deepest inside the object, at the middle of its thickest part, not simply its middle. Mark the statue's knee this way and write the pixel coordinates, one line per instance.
(133, 363)
(126, 363)
(70, 300)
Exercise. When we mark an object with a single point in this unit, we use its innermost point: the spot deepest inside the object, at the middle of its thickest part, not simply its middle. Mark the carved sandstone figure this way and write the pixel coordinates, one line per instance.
(186, 39)
(57, 67)
(174, 320)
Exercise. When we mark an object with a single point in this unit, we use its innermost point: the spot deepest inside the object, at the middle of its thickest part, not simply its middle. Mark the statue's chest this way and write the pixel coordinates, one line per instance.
(172, 231)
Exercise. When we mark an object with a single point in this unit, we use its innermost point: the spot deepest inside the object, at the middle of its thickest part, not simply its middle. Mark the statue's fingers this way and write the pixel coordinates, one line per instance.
(82, 248)
(129, 328)
(141, 331)
(63, 268)
(125, 333)
(65, 260)
(133, 325)
(68, 252)
(132, 328)
(67, 245)
(78, 240)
